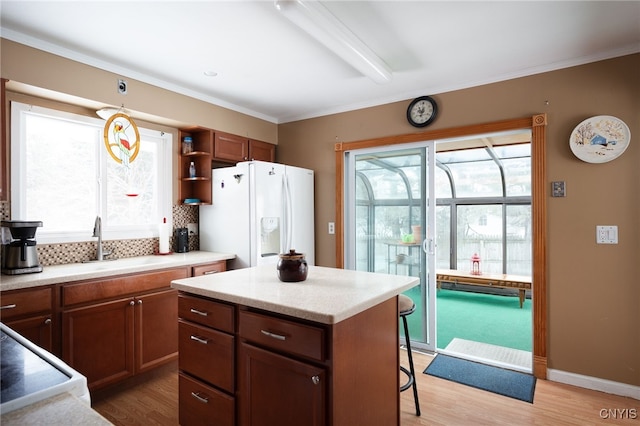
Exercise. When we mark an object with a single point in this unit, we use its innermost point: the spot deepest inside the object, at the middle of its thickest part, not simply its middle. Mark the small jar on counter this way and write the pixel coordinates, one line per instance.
(187, 145)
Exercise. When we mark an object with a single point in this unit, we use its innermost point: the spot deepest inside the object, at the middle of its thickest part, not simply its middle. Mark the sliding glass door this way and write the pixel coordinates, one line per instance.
(390, 223)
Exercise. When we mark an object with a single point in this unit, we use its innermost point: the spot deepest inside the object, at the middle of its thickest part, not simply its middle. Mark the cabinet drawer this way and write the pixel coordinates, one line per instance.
(91, 291)
(24, 302)
(203, 405)
(206, 312)
(287, 336)
(207, 354)
(211, 268)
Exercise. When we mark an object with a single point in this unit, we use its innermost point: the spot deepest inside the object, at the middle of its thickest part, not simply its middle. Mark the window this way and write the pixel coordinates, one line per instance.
(63, 176)
(485, 194)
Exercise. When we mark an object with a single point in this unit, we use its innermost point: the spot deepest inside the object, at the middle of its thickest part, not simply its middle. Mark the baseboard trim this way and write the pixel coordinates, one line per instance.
(594, 383)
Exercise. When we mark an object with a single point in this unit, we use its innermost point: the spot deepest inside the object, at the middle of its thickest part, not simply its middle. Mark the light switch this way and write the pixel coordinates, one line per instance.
(557, 189)
(607, 234)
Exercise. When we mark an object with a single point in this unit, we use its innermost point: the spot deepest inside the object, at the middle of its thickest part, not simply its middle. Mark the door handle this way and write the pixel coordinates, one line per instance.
(428, 246)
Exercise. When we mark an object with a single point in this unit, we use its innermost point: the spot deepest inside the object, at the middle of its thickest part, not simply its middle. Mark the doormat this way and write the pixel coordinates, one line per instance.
(486, 377)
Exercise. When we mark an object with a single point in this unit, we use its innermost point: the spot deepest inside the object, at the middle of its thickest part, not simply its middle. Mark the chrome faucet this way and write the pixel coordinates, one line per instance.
(97, 232)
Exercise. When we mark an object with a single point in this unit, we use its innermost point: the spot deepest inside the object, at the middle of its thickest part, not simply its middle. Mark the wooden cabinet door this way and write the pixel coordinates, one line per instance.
(98, 341)
(37, 329)
(276, 390)
(262, 151)
(230, 147)
(156, 329)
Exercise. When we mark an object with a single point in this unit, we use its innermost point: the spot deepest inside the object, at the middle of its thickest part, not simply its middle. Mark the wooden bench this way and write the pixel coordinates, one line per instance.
(518, 282)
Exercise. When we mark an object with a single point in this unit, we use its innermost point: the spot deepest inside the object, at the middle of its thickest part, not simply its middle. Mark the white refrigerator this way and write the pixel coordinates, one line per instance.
(258, 211)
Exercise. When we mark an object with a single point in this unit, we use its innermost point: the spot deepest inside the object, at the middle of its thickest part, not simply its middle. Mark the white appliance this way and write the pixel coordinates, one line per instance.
(31, 374)
(259, 210)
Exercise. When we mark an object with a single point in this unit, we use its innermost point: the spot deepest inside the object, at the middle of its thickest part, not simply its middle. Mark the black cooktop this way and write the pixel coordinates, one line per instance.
(23, 371)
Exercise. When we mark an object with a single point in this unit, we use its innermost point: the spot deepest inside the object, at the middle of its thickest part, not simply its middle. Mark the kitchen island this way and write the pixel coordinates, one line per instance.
(321, 351)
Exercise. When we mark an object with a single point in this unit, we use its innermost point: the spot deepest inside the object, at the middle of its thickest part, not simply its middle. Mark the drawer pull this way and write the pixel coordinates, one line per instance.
(210, 272)
(195, 311)
(197, 396)
(199, 339)
(47, 321)
(13, 305)
(315, 380)
(275, 336)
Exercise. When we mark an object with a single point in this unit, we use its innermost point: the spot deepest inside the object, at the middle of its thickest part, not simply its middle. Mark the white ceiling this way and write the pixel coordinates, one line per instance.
(270, 69)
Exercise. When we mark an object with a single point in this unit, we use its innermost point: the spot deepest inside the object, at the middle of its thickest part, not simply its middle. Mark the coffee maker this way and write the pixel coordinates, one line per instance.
(19, 255)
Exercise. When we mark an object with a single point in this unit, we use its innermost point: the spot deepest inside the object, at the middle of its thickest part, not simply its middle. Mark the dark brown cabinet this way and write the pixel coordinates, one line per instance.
(203, 405)
(276, 389)
(211, 146)
(4, 175)
(233, 148)
(207, 361)
(30, 313)
(284, 370)
(118, 327)
(98, 341)
(156, 330)
(262, 151)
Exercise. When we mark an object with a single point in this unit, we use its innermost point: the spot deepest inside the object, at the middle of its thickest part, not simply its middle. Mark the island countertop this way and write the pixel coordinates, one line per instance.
(327, 296)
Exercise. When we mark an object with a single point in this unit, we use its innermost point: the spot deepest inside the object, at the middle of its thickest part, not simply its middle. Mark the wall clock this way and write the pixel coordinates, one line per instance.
(600, 139)
(422, 111)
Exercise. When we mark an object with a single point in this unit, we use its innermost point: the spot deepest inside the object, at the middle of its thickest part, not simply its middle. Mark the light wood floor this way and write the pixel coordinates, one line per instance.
(152, 400)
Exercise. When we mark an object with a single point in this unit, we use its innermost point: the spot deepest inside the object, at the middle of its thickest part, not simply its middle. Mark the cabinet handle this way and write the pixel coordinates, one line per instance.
(139, 302)
(274, 335)
(199, 339)
(13, 305)
(132, 303)
(209, 272)
(197, 396)
(315, 380)
(47, 321)
(195, 311)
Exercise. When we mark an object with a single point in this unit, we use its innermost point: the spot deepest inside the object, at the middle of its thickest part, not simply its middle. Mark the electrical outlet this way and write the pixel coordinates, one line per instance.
(192, 229)
(332, 228)
(606, 234)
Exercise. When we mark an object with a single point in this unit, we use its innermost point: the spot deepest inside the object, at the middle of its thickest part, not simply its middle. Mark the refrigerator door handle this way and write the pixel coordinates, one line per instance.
(288, 214)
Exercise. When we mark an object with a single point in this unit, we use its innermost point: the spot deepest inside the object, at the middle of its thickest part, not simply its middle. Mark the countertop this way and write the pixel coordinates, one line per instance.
(328, 295)
(82, 271)
(62, 409)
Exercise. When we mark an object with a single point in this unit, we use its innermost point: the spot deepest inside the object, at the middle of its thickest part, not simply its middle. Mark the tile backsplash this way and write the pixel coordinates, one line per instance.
(57, 254)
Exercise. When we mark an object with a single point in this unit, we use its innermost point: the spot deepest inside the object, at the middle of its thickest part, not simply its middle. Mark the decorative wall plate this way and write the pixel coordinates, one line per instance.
(600, 139)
